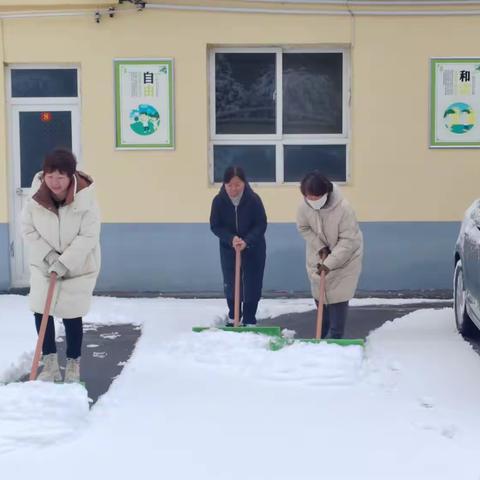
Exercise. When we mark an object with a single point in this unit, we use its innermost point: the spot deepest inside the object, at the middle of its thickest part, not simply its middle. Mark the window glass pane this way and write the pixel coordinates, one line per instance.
(40, 133)
(258, 161)
(331, 160)
(52, 82)
(312, 93)
(245, 93)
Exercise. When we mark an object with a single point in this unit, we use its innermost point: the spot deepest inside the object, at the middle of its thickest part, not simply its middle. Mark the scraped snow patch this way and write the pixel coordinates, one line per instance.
(40, 413)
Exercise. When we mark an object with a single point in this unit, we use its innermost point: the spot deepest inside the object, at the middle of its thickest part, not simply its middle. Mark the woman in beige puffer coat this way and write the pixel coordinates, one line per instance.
(334, 244)
(61, 229)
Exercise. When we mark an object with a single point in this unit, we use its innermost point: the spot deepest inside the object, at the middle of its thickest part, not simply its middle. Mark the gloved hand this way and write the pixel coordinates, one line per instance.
(52, 257)
(59, 268)
(324, 253)
(322, 268)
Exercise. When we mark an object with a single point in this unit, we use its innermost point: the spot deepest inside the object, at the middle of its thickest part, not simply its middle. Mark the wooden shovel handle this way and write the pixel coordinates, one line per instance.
(43, 326)
(321, 301)
(238, 266)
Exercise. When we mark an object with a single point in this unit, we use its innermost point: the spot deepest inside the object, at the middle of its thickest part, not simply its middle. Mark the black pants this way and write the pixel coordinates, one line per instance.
(251, 281)
(334, 319)
(73, 333)
(248, 311)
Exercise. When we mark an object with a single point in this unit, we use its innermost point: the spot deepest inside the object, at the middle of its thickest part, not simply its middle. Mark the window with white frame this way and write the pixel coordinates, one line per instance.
(279, 113)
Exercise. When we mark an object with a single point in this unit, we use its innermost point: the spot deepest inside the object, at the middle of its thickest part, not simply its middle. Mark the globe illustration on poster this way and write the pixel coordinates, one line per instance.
(144, 119)
(459, 118)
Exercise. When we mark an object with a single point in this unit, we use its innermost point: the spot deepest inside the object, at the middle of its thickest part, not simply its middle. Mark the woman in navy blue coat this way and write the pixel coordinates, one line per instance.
(238, 219)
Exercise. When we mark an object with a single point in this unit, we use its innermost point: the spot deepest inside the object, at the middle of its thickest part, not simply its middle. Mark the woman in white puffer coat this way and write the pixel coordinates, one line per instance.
(334, 244)
(61, 228)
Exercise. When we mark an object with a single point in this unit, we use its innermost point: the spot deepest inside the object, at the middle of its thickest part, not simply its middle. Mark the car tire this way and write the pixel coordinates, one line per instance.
(463, 321)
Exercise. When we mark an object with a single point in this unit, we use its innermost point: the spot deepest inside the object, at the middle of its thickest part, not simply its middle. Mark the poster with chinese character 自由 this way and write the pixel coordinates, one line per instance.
(144, 104)
(455, 102)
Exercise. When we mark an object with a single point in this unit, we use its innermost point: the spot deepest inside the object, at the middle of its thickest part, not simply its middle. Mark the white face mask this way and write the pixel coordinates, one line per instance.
(318, 204)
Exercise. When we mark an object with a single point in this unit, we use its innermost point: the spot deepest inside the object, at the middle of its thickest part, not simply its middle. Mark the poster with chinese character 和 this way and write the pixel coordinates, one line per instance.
(144, 104)
(455, 102)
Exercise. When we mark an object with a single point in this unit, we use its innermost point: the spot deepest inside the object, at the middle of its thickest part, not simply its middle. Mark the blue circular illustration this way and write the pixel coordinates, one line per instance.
(145, 120)
(459, 117)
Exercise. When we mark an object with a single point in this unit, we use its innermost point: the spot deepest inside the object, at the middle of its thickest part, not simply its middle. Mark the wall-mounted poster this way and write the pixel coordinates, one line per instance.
(455, 102)
(144, 104)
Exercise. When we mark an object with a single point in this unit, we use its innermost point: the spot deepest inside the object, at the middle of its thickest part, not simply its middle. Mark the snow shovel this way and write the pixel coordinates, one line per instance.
(280, 342)
(271, 331)
(43, 326)
(43, 329)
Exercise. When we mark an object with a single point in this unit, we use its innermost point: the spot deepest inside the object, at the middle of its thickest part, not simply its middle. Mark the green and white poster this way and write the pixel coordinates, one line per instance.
(455, 102)
(144, 104)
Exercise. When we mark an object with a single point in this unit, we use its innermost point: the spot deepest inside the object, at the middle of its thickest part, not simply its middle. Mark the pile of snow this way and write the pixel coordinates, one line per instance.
(424, 354)
(248, 355)
(367, 302)
(38, 413)
(17, 331)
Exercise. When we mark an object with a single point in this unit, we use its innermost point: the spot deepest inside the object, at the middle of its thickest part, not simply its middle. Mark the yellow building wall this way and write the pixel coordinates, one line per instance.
(4, 182)
(394, 176)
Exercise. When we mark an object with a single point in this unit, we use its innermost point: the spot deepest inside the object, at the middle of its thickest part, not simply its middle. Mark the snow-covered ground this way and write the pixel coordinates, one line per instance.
(222, 406)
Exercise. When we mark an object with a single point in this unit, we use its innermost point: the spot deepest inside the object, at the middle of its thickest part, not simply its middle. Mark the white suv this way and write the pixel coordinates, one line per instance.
(466, 279)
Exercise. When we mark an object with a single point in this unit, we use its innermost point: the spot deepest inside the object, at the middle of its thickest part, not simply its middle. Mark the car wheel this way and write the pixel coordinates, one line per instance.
(464, 323)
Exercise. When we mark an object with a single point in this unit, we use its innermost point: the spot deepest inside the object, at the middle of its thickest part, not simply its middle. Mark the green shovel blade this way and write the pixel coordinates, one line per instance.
(270, 331)
(276, 344)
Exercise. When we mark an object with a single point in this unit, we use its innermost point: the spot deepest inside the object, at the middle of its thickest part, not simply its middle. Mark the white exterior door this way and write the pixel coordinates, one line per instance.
(37, 126)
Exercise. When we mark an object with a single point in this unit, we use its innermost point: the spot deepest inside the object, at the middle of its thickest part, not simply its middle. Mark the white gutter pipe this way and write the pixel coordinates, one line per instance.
(199, 8)
(66, 13)
(366, 3)
(253, 10)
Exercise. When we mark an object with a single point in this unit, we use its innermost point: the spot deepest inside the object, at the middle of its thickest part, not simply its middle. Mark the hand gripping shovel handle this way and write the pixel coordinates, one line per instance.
(43, 326)
(238, 266)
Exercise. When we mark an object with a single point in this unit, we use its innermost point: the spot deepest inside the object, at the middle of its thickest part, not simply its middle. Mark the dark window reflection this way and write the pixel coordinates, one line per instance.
(53, 82)
(258, 161)
(40, 133)
(245, 93)
(312, 93)
(331, 160)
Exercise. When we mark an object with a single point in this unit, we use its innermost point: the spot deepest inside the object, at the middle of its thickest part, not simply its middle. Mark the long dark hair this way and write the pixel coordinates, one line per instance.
(234, 171)
(315, 183)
